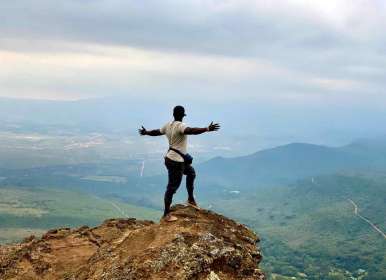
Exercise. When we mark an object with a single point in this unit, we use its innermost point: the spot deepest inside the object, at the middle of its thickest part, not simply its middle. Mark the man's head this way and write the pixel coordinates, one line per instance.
(179, 113)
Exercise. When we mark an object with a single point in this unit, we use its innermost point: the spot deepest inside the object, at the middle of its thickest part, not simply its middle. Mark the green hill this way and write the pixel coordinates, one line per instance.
(310, 227)
(25, 211)
(285, 164)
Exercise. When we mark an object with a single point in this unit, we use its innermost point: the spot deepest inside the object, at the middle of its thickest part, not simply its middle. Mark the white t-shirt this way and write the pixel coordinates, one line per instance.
(174, 131)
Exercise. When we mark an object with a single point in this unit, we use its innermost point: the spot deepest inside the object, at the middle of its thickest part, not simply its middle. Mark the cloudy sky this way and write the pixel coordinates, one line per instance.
(284, 51)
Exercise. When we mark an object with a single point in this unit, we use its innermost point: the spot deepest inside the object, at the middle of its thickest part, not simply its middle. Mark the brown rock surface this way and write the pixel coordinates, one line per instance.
(200, 245)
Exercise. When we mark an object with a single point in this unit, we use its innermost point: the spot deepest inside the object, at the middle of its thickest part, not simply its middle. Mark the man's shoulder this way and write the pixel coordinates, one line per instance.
(182, 126)
(165, 127)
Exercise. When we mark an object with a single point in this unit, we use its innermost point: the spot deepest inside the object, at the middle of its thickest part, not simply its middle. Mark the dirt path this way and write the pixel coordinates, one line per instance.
(356, 212)
(119, 209)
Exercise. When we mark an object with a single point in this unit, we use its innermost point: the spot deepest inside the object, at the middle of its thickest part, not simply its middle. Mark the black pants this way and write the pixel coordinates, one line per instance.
(175, 172)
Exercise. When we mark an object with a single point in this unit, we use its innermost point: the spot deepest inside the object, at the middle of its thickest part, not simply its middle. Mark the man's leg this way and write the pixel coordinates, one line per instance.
(175, 172)
(190, 176)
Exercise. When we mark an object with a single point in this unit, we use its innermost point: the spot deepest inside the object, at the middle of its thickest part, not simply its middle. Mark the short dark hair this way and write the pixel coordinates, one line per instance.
(179, 111)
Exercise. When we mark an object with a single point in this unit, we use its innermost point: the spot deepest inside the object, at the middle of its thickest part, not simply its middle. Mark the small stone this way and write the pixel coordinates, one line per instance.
(214, 252)
(213, 276)
(227, 250)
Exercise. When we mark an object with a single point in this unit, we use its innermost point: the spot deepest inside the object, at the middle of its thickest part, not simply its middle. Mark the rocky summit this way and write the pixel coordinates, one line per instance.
(199, 245)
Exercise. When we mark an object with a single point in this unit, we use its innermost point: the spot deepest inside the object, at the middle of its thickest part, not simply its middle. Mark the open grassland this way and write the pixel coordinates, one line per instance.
(26, 211)
(111, 179)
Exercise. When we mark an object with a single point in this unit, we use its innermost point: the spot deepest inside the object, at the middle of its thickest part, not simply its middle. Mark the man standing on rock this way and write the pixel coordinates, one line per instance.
(178, 162)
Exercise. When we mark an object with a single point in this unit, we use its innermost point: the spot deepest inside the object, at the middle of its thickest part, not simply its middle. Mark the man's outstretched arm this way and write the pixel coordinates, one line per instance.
(155, 132)
(200, 130)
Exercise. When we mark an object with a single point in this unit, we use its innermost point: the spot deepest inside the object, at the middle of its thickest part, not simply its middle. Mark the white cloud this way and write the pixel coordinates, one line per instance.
(231, 49)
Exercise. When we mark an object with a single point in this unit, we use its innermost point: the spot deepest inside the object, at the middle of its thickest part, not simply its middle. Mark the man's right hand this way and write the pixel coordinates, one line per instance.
(213, 126)
(142, 131)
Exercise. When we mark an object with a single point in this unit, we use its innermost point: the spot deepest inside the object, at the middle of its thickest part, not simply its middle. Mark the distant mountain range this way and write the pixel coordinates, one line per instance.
(284, 164)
